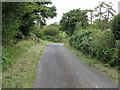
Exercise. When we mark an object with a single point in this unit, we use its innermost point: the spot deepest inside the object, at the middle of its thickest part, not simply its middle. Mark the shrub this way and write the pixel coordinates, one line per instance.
(116, 56)
(115, 26)
(50, 30)
(81, 40)
(51, 33)
(37, 30)
(103, 43)
(98, 44)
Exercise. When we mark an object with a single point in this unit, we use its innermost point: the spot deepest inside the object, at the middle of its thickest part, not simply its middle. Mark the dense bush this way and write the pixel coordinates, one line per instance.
(98, 44)
(36, 29)
(116, 27)
(104, 45)
(82, 40)
(51, 33)
(50, 30)
(116, 56)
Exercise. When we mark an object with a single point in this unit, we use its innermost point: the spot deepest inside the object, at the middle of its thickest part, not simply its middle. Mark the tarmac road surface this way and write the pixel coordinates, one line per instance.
(59, 68)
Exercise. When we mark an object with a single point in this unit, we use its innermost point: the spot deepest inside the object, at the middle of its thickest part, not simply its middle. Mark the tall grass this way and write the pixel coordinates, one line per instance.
(11, 53)
(23, 72)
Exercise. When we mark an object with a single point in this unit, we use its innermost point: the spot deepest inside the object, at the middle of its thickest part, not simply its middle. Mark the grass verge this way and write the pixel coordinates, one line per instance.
(23, 72)
(11, 53)
(111, 72)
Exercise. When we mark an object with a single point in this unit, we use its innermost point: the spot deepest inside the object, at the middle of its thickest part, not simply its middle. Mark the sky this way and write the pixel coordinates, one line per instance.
(64, 6)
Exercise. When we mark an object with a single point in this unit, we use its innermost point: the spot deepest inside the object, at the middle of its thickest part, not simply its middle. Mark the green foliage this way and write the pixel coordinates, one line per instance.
(50, 30)
(23, 72)
(104, 45)
(11, 53)
(98, 44)
(18, 17)
(37, 30)
(115, 26)
(81, 40)
(116, 56)
(17, 20)
(70, 19)
(51, 33)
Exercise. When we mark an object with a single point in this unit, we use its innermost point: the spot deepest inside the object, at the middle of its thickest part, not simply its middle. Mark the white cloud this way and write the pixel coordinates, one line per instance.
(64, 6)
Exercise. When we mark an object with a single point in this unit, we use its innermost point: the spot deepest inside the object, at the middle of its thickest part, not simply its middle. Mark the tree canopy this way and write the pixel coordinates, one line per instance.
(70, 19)
(18, 17)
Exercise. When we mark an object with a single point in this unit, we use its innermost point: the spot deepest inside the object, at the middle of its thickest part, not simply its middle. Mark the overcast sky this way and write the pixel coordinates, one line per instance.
(64, 6)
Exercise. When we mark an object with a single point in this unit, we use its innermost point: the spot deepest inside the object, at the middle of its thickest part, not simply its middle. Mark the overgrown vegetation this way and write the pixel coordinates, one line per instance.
(17, 20)
(49, 32)
(99, 39)
(24, 25)
(20, 54)
(18, 17)
(97, 44)
(116, 27)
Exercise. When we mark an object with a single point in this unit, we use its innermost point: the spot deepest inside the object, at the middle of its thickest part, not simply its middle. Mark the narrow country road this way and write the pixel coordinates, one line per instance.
(59, 68)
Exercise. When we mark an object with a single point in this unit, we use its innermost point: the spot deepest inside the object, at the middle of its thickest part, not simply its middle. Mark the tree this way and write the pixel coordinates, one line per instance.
(11, 14)
(109, 10)
(18, 17)
(100, 12)
(70, 19)
(39, 13)
(104, 11)
(91, 15)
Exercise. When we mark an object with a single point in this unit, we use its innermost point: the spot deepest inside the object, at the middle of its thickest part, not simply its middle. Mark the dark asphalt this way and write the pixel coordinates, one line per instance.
(59, 68)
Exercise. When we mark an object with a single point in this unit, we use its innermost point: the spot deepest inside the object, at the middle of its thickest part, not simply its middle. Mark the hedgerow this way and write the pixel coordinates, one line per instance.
(98, 44)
